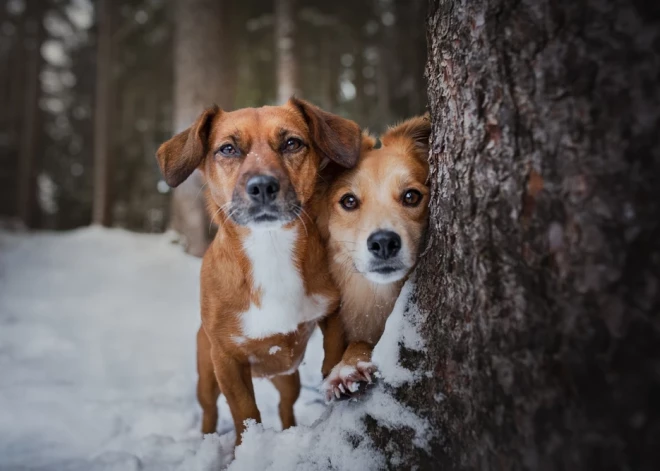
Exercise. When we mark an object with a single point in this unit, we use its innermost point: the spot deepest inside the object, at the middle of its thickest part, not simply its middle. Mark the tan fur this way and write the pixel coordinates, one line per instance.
(226, 360)
(379, 180)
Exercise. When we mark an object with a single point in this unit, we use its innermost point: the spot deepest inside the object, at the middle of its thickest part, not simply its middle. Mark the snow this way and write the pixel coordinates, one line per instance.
(97, 353)
(401, 328)
(338, 440)
(274, 349)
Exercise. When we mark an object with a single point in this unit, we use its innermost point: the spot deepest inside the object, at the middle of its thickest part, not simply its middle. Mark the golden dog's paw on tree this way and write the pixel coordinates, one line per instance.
(540, 287)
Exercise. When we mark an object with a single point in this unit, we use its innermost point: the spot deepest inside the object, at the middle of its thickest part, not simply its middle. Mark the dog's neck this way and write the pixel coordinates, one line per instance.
(365, 305)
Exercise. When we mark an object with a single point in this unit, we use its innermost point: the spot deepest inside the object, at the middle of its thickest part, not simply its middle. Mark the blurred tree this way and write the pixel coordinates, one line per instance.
(31, 124)
(285, 33)
(65, 178)
(336, 54)
(103, 155)
(202, 69)
(12, 95)
(143, 117)
(540, 286)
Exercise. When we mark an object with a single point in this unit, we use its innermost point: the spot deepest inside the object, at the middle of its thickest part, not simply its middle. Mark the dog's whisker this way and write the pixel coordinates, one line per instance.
(224, 214)
(306, 214)
(213, 217)
(200, 190)
(295, 211)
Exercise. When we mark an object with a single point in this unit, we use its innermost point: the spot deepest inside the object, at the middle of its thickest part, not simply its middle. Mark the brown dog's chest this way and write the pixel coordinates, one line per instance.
(262, 306)
(278, 354)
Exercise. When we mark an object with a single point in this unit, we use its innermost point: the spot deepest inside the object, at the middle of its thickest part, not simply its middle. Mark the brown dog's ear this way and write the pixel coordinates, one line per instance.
(182, 154)
(414, 130)
(335, 138)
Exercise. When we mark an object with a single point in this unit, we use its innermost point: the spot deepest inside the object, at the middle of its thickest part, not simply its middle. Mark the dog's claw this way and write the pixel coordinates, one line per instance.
(347, 380)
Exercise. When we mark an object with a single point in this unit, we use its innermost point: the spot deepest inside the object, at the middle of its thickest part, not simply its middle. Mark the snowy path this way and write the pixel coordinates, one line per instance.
(97, 356)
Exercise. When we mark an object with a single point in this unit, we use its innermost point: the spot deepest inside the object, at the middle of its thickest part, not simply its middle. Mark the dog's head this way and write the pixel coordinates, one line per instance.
(260, 164)
(377, 213)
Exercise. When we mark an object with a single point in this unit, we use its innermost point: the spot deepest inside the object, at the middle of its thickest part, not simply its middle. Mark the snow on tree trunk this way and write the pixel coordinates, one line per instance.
(201, 78)
(540, 286)
(285, 28)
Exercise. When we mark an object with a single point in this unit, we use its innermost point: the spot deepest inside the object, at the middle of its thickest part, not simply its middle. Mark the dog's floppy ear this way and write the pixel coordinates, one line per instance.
(182, 154)
(414, 130)
(335, 138)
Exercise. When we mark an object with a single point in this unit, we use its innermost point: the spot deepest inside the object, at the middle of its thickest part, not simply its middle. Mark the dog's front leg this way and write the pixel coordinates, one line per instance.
(334, 343)
(235, 381)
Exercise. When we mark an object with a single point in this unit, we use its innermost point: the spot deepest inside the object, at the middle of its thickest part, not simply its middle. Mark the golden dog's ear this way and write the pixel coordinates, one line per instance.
(182, 154)
(335, 138)
(413, 130)
(368, 141)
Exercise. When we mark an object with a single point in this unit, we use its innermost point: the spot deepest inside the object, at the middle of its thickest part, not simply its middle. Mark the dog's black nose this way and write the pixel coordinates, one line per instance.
(262, 189)
(384, 244)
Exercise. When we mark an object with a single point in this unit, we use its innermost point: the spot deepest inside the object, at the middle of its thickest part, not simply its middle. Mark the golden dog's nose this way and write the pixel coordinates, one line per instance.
(384, 244)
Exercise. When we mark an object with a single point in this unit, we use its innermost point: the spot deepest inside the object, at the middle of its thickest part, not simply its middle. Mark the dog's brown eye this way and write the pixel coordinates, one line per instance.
(411, 198)
(292, 144)
(227, 150)
(349, 202)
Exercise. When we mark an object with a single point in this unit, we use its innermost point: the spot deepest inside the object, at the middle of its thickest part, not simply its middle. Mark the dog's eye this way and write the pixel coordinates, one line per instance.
(411, 198)
(292, 144)
(349, 202)
(228, 150)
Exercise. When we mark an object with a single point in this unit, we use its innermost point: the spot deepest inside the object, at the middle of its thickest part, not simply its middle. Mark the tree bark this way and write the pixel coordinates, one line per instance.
(102, 201)
(31, 119)
(202, 68)
(285, 30)
(540, 286)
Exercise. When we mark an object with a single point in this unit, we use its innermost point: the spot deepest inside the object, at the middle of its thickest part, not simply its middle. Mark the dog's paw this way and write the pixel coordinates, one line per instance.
(345, 380)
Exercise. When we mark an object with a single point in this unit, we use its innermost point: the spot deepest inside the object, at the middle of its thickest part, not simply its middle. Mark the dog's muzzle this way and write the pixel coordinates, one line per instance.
(262, 204)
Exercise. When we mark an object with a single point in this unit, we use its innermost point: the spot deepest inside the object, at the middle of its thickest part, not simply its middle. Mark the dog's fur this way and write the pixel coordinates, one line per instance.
(369, 285)
(264, 281)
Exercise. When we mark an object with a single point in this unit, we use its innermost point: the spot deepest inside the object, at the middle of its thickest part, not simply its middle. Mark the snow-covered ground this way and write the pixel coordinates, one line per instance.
(97, 356)
(97, 368)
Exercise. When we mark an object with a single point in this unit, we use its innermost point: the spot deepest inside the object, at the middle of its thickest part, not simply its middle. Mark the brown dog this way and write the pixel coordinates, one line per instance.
(374, 219)
(264, 282)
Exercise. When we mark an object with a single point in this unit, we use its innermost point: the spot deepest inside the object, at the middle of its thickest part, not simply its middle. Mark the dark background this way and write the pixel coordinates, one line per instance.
(73, 72)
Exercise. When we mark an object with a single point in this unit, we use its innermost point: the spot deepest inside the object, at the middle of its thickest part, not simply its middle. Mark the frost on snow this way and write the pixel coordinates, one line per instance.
(97, 353)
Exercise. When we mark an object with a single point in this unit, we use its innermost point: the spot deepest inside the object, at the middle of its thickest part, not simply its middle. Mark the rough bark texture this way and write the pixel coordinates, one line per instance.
(202, 68)
(102, 202)
(285, 29)
(541, 281)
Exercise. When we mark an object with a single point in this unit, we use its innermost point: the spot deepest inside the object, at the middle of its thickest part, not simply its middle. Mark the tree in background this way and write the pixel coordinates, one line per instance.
(33, 37)
(202, 65)
(285, 32)
(540, 287)
(103, 155)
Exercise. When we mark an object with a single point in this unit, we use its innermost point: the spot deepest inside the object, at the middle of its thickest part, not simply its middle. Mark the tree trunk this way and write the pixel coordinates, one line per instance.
(285, 30)
(202, 64)
(540, 286)
(31, 119)
(102, 202)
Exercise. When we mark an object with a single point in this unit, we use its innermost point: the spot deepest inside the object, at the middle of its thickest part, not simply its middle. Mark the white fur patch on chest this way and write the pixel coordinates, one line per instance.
(284, 304)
